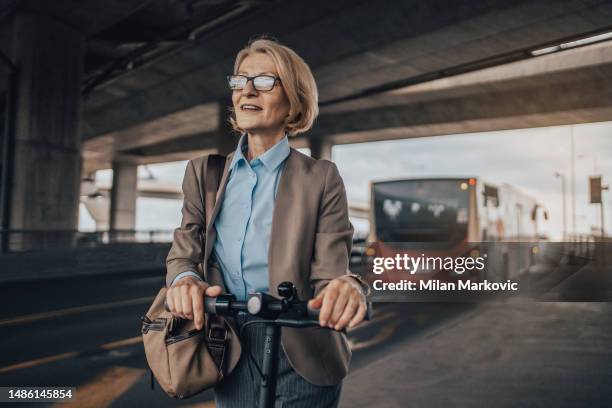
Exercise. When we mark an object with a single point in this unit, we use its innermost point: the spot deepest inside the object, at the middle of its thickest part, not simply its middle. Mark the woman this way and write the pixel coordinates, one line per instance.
(280, 216)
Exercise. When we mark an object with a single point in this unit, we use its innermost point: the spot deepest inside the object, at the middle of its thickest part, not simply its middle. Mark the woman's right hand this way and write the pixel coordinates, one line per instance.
(185, 299)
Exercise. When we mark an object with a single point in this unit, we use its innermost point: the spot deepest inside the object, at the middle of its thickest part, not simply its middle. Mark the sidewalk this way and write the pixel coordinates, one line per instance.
(503, 355)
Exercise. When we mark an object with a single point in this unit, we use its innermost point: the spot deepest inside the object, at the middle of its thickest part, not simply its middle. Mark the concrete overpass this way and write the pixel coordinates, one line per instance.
(90, 87)
(563, 88)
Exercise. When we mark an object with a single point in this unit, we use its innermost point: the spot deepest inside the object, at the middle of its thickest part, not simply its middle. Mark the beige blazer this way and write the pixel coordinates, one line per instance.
(310, 243)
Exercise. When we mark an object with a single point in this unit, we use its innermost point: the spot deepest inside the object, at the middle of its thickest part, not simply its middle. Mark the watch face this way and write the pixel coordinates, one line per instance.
(254, 305)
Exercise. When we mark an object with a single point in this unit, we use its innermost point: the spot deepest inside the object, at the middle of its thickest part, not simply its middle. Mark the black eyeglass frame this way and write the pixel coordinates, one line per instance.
(248, 78)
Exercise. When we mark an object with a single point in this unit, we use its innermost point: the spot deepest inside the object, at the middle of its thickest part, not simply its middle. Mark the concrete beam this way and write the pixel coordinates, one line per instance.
(565, 88)
(568, 87)
(199, 141)
(198, 119)
(580, 102)
(358, 54)
(101, 162)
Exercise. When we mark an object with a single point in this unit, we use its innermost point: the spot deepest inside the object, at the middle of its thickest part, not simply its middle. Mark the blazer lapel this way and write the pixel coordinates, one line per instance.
(281, 216)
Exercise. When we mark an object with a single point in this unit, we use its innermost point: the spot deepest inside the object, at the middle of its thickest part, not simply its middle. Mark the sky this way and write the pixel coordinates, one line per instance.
(525, 158)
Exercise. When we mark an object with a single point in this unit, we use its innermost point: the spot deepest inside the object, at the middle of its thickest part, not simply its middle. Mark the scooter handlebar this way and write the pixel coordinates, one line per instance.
(227, 304)
(314, 313)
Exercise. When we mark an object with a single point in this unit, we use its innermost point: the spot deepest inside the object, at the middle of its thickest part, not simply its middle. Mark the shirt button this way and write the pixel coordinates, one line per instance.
(239, 239)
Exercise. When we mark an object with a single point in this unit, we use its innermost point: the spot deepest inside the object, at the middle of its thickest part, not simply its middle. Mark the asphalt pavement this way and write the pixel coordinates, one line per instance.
(84, 332)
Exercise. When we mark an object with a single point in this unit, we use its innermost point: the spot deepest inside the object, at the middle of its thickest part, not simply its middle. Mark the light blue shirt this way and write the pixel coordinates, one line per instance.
(245, 219)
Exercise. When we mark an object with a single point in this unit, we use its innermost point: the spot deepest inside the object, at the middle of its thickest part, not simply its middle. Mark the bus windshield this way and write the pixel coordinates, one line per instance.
(421, 210)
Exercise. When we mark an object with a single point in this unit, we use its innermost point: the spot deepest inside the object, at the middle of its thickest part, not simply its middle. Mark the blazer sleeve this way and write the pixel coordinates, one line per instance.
(334, 233)
(188, 240)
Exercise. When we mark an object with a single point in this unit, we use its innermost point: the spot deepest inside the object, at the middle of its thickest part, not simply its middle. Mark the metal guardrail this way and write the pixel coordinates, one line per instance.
(30, 240)
(581, 245)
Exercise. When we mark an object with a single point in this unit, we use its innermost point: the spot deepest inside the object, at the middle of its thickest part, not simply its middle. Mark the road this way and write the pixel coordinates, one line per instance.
(85, 333)
(507, 354)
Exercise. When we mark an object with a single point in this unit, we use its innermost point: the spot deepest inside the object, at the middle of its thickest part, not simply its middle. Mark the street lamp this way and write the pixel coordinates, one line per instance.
(573, 179)
(562, 177)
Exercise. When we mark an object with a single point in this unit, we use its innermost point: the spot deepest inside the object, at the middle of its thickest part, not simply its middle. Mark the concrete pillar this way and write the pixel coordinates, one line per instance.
(227, 138)
(4, 167)
(96, 203)
(44, 179)
(123, 195)
(320, 148)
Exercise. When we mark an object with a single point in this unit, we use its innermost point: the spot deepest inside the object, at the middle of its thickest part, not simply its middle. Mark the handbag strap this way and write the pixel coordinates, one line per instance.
(216, 336)
(217, 339)
(215, 165)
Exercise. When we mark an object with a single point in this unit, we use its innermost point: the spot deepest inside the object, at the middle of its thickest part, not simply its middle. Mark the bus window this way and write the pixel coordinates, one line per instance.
(421, 210)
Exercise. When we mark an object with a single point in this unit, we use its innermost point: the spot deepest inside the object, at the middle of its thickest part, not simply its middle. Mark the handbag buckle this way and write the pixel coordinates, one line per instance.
(214, 331)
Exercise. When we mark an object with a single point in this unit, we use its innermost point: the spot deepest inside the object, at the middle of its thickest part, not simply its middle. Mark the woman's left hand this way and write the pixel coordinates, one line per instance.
(342, 302)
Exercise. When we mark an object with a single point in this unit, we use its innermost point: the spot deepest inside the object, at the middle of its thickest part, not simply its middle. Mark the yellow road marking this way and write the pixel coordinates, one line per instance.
(377, 319)
(73, 310)
(38, 361)
(382, 335)
(122, 343)
(71, 354)
(208, 404)
(104, 388)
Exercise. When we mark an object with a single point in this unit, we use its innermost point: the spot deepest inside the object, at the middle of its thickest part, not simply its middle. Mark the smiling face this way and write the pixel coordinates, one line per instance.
(260, 111)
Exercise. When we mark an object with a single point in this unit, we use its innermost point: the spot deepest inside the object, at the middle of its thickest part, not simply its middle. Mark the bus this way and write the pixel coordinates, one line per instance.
(454, 217)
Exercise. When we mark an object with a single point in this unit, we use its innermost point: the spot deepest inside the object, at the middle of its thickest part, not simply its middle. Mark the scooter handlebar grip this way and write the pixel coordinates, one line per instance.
(313, 313)
(210, 304)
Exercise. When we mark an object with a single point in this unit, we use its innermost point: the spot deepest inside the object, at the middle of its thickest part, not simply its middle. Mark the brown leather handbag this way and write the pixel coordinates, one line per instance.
(186, 361)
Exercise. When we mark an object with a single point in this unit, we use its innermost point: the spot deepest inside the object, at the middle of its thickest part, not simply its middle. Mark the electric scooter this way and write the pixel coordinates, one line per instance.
(288, 311)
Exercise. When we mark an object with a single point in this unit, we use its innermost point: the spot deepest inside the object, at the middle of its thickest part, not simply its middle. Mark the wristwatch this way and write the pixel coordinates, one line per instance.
(364, 285)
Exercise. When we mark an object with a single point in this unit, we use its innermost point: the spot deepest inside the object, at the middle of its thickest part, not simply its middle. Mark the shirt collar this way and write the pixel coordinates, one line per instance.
(272, 158)
(238, 153)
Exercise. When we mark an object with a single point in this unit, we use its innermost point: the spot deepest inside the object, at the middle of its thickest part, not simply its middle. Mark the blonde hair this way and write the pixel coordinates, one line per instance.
(297, 81)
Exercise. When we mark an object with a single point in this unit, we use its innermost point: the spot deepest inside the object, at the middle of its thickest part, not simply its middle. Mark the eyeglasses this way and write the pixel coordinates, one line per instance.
(260, 82)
